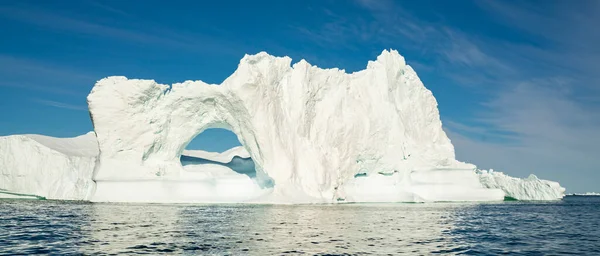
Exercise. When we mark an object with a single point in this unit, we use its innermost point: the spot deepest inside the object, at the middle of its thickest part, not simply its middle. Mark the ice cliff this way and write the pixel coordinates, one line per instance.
(313, 135)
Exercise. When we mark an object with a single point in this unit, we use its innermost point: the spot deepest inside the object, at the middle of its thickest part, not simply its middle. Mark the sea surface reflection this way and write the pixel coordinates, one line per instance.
(56, 227)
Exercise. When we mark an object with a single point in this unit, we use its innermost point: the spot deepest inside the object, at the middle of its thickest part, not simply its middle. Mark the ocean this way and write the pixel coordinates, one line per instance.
(569, 226)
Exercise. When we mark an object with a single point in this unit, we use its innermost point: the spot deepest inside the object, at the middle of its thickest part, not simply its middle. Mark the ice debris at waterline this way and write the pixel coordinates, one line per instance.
(312, 135)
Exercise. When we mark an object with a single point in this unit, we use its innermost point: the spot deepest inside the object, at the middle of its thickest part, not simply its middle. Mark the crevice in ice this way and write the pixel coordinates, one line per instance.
(360, 174)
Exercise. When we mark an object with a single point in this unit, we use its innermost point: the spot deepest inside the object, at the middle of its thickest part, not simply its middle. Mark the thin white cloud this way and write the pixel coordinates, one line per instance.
(58, 104)
(104, 5)
(40, 88)
(566, 32)
(556, 136)
(35, 75)
(62, 22)
(390, 25)
(11, 65)
(144, 34)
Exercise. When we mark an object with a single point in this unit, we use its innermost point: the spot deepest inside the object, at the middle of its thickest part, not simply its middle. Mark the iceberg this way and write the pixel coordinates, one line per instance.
(308, 135)
(47, 167)
(530, 188)
(585, 194)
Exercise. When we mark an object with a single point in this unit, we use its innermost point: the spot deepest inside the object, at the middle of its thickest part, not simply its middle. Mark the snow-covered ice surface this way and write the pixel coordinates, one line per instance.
(530, 188)
(54, 168)
(308, 134)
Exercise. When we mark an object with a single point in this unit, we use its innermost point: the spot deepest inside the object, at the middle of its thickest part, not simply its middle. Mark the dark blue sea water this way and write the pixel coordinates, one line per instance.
(570, 226)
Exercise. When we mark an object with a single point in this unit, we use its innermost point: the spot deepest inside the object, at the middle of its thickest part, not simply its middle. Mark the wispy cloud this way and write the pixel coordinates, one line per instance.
(58, 104)
(29, 67)
(462, 50)
(565, 33)
(552, 135)
(40, 88)
(105, 6)
(144, 32)
(389, 24)
(338, 32)
(18, 72)
(61, 22)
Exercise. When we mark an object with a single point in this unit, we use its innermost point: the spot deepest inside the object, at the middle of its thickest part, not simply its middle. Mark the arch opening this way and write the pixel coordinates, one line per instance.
(217, 156)
(214, 140)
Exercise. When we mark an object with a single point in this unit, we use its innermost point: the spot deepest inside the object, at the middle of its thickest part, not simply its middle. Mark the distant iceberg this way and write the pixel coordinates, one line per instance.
(530, 188)
(309, 135)
(585, 194)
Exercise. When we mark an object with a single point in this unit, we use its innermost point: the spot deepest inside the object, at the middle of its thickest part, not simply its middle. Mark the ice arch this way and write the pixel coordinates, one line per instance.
(311, 130)
(154, 124)
(148, 125)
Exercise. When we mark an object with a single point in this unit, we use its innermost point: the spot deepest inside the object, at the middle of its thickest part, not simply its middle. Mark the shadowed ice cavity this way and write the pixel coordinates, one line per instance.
(238, 164)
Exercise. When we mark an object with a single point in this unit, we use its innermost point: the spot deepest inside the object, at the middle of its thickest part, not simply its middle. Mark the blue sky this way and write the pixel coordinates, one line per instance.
(517, 82)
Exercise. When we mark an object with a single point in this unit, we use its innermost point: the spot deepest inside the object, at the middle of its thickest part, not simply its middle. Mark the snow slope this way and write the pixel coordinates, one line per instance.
(54, 168)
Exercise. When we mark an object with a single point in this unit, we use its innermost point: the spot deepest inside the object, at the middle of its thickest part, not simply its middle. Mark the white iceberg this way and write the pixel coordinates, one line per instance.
(313, 135)
(530, 188)
(585, 194)
(42, 166)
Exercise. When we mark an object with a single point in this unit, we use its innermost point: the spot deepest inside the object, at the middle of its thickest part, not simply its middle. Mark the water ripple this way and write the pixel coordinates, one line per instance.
(570, 226)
